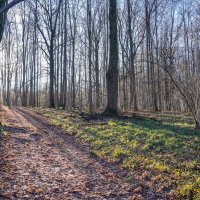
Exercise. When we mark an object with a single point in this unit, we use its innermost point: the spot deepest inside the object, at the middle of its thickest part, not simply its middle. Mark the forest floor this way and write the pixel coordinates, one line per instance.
(41, 161)
(52, 154)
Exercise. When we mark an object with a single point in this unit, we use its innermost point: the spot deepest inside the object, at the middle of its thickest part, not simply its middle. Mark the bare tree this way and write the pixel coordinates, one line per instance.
(51, 12)
(112, 73)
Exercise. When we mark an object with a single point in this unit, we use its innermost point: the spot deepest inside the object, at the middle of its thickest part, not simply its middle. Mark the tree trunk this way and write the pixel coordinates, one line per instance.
(2, 19)
(112, 73)
(51, 85)
(97, 74)
(133, 81)
(65, 60)
(89, 53)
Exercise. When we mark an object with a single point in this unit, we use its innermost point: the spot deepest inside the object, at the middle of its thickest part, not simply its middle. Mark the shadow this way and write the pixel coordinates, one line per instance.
(14, 129)
(84, 150)
(146, 122)
(186, 132)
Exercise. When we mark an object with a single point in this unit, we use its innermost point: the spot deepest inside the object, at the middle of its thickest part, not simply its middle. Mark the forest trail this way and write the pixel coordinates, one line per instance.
(41, 161)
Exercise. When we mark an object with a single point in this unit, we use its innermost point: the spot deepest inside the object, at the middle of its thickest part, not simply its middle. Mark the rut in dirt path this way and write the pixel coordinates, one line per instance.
(41, 161)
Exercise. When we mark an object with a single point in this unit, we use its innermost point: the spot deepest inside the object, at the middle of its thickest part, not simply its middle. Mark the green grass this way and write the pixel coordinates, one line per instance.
(164, 151)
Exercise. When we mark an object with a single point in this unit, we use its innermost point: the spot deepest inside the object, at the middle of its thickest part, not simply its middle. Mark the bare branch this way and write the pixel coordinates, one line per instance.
(10, 5)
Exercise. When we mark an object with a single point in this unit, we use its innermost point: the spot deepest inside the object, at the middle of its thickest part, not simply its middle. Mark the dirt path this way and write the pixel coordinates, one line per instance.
(40, 161)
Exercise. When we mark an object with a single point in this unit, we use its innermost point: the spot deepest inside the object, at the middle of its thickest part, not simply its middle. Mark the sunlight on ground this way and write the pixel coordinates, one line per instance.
(164, 152)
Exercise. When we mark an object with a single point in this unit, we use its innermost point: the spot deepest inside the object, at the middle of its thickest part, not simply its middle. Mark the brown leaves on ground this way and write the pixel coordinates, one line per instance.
(41, 161)
(39, 164)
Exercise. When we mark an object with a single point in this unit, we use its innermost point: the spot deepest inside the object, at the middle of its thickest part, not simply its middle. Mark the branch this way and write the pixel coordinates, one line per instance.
(9, 5)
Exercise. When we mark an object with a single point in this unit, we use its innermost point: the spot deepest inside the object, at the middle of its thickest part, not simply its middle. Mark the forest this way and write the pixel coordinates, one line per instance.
(100, 99)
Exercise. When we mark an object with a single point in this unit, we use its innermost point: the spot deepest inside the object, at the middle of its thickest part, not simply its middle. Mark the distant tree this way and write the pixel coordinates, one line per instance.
(132, 65)
(67, 52)
(183, 71)
(51, 13)
(89, 24)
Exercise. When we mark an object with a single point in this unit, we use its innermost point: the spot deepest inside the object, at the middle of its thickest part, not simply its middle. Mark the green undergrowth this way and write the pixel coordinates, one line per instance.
(165, 151)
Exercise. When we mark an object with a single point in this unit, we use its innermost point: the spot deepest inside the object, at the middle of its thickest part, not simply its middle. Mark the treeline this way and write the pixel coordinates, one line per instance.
(61, 53)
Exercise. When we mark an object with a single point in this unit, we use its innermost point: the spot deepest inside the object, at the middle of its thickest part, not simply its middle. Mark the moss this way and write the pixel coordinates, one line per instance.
(190, 190)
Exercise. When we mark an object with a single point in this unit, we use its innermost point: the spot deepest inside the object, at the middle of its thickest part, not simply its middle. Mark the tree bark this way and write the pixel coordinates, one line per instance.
(5, 8)
(89, 21)
(112, 73)
(51, 65)
(133, 81)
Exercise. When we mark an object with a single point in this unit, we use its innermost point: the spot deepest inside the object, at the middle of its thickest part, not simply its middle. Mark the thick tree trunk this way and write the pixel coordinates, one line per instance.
(197, 125)
(196, 116)
(112, 73)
